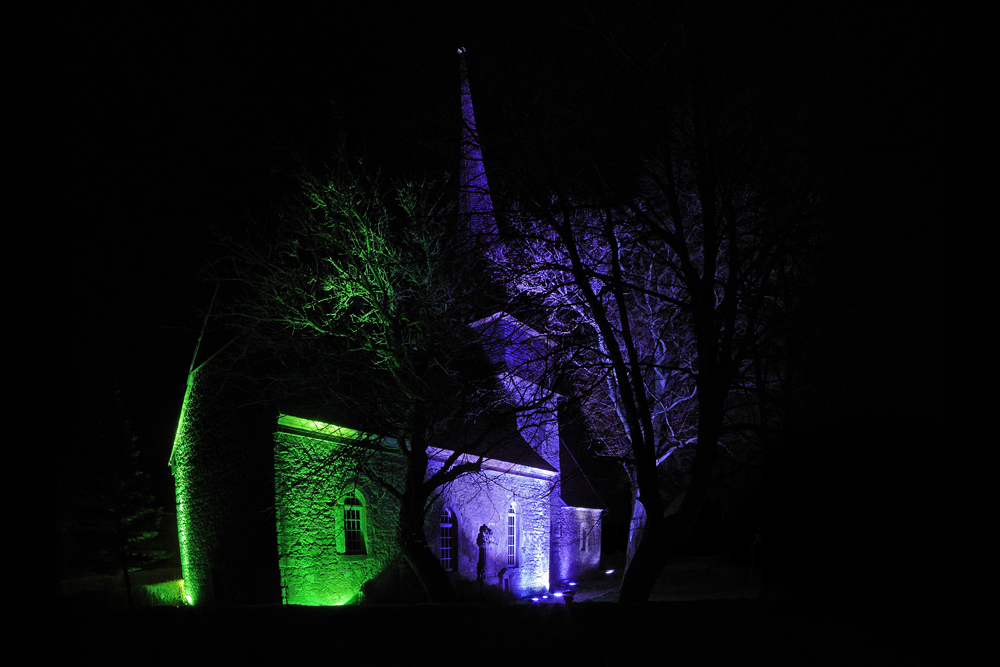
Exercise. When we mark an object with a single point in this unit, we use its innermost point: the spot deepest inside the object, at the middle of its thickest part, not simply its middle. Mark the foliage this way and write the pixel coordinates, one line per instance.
(358, 287)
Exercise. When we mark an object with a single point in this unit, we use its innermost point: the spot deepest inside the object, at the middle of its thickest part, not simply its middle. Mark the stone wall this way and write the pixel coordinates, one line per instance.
(261, 517)
(480, 503)
(223, 471)
(312, 478)
(576, 544)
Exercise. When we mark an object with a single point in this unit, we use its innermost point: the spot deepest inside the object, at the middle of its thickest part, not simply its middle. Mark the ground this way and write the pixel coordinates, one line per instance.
(700, 615)
(815, 631)
(687, 578)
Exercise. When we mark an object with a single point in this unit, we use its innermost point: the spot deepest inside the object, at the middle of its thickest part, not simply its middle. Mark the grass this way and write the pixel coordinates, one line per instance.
(152, 588)
(684, 628)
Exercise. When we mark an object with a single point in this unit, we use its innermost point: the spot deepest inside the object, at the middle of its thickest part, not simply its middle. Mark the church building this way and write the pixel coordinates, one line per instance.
(266, 512)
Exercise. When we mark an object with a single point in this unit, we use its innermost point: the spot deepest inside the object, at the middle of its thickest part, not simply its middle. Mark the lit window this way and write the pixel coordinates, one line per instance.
(446, 540)
(354, 535)
(511, 536)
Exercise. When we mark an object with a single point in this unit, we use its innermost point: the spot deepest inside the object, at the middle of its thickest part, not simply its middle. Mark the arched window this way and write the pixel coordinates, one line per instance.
(512, 535)
(447, 544)
(354, 524)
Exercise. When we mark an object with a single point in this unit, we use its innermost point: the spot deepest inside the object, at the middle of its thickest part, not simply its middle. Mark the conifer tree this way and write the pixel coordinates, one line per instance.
(115, 510)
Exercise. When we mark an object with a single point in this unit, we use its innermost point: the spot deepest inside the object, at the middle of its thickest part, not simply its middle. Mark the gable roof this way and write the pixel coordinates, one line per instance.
(499, 442)
(515, 347)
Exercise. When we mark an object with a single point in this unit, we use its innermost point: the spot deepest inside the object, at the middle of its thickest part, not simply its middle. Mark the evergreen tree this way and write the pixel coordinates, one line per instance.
(114, 511)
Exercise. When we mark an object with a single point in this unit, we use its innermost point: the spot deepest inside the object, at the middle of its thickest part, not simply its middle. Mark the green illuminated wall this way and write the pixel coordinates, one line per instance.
(261, 516)
(194, 555)
(223, 470)
(312, 477)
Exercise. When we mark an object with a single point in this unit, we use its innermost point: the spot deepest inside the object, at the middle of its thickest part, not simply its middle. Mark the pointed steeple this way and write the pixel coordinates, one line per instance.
(475, 204)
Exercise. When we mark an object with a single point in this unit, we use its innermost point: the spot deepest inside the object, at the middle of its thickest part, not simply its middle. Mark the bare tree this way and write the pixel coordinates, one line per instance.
(361, 301)
(622, 277)
(673, 260)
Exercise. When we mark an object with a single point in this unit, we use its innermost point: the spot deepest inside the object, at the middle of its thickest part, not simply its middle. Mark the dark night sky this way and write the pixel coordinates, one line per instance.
(177, 122)
(173, 120)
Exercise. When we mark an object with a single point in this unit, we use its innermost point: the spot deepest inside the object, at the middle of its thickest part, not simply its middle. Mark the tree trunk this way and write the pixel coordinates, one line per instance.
(664, 536)
(128, 583)
(636, 527)
(432, 577)
(425, 565)
(417, 553)
(645, 565)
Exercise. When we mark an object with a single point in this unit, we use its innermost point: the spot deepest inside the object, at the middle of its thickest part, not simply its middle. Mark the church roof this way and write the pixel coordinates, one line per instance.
(515, 347)
(494, 436)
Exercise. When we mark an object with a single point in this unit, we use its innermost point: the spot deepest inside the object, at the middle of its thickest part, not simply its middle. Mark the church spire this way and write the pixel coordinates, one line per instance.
(475, 204)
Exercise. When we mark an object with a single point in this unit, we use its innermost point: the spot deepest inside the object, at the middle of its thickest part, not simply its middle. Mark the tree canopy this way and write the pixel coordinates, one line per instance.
(360, 299)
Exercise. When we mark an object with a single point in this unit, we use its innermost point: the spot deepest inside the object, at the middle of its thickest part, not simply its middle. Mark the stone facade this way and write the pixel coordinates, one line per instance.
(482, 504)
(576, 544)
(261, 516)
(507, 519)
(223, 468)
(311, 490)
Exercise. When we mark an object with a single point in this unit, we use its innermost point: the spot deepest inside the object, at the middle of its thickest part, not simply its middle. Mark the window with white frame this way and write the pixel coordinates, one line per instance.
(354, 533)
(446, 540)
(511, 536)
